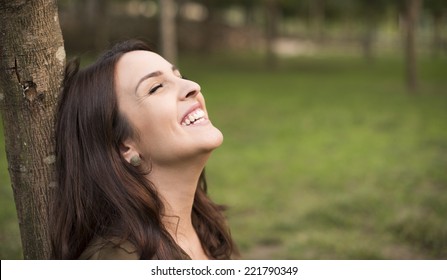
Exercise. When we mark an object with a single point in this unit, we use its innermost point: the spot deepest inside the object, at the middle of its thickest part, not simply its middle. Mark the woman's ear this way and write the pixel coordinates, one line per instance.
(129, 152)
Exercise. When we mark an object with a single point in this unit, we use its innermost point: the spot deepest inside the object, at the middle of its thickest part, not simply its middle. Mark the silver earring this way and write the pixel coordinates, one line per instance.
(135, 160)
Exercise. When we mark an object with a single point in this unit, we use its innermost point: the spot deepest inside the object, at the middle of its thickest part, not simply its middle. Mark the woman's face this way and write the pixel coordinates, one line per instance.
(167, 112)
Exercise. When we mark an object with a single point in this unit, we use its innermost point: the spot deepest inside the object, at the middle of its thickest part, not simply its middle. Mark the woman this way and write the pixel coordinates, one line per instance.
(132, 140)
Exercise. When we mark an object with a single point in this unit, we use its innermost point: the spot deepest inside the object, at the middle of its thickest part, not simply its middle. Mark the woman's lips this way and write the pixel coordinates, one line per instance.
(195, 115)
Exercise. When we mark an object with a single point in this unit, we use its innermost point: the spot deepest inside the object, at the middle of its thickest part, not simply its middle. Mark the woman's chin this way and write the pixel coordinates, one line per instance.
(214, 139)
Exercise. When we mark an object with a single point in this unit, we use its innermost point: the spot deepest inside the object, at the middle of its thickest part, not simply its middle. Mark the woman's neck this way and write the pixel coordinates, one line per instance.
(176, 187)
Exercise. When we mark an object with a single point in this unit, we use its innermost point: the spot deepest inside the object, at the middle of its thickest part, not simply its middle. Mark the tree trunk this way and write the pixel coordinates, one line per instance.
(411, 14)
(317, 19)
(371, 16)
(210, 30)
(271, 31)
(437, 38)
(367, 41)
(32, 58)
(168, 34)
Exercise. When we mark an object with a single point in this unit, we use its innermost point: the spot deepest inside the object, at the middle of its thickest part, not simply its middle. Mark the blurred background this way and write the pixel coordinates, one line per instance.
(334, 114)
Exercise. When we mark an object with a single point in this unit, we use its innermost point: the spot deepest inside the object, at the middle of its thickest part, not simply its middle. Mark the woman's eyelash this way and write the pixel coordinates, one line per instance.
(155, 88)
(158, 86)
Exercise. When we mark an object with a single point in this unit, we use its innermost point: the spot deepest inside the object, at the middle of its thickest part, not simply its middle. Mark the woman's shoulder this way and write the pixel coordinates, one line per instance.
(110, 249)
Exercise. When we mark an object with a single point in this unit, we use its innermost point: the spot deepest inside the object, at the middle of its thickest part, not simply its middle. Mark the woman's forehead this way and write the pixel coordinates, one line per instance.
(136, 64)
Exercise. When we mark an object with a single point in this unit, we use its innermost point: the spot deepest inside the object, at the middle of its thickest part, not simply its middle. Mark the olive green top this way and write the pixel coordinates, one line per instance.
(114, 249)
(110, 249)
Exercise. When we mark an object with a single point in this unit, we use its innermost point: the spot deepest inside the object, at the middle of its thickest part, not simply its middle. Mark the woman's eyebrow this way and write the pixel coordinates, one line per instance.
(145, 77)
(153, 74)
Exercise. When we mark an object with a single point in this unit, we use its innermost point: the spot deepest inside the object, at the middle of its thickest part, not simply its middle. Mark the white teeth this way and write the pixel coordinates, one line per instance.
(194, 117)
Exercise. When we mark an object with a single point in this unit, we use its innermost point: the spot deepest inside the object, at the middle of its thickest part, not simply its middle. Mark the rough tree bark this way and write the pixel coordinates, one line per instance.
(32, 58)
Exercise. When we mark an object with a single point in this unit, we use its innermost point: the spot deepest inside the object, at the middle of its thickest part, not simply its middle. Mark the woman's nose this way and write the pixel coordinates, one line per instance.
(189, 89)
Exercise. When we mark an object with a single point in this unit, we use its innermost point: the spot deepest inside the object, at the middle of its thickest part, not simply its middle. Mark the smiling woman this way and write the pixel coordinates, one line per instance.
(132, 141)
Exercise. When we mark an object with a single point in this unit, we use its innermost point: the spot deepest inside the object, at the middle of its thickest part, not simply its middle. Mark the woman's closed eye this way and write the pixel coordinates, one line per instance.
(155, 88)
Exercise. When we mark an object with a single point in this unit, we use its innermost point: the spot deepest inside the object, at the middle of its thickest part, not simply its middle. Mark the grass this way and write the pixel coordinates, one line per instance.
(330, 158)
(323, 158)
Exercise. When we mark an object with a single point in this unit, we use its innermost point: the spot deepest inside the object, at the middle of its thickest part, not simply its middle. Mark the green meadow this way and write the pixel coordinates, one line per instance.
(324, 157)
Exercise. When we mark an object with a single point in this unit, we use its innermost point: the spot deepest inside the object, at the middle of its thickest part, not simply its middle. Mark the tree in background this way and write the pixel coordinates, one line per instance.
(370, 13)
(411, 13)
(168, 30)
(272, 15)
(438, 11)
(317, 17)
(32, 58)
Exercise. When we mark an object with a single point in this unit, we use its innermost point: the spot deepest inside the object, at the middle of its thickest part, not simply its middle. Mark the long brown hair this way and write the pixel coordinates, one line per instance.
(99, 193)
